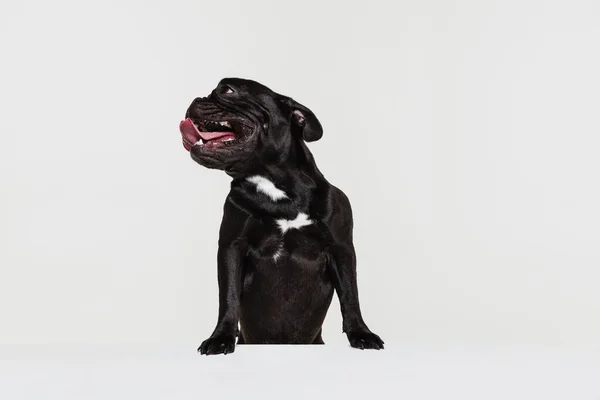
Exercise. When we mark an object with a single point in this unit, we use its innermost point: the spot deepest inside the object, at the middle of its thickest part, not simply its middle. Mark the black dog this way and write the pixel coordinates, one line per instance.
(285, 240)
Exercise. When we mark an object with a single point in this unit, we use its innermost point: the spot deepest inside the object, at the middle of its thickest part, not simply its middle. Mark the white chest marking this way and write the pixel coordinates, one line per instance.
(278, 253)
(297, 223)
(267, 187)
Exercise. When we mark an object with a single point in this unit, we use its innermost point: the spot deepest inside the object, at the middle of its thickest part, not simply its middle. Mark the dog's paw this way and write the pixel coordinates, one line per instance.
(218, 344)
(365, 340)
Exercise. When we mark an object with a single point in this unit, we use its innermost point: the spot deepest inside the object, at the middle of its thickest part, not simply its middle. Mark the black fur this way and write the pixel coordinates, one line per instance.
(282, 301)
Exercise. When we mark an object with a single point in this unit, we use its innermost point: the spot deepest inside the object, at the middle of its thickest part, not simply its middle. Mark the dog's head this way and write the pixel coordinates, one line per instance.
(243, 122)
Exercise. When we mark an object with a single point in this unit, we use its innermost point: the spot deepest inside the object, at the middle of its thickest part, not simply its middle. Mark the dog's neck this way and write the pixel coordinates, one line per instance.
(293, 169)
(291, 184)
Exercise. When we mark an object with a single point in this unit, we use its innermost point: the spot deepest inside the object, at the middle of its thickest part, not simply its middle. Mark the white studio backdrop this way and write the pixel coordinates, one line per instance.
(465, 133)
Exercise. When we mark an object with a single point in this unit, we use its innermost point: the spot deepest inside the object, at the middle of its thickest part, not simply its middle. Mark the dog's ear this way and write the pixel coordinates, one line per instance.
(305, 121)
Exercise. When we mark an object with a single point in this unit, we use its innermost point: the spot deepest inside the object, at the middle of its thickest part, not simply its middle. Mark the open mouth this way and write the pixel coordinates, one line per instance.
(210, 134)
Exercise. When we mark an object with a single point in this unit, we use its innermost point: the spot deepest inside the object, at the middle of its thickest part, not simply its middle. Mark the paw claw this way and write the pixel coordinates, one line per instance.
(365, 340)
(218, 344)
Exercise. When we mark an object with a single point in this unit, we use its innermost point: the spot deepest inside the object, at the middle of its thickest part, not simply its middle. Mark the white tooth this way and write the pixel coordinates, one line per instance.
(225, 123)
(199, 143)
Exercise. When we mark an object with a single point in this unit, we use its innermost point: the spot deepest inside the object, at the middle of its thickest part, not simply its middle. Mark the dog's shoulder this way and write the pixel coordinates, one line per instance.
(337, 201)
(336, 213)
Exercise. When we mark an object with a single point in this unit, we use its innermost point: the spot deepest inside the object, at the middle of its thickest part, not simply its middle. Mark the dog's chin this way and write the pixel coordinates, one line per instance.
(224, 158)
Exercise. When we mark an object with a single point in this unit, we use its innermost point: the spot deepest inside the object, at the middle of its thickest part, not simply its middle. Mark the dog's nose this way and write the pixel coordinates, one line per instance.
(197, 102)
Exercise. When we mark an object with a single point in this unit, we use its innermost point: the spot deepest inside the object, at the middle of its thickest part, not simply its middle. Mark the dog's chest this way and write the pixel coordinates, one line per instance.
(277, 242)
(277, 239)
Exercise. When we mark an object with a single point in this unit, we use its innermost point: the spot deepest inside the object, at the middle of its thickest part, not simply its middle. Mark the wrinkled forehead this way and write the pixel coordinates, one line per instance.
(247, 86)
(255, 93)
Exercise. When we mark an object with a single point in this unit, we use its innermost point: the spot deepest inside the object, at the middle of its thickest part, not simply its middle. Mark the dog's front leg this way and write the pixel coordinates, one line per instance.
(343, 272)
(229, 270)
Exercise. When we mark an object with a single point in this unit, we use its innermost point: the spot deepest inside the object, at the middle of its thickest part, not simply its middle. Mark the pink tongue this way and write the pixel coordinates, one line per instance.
(189, 131)
(192, 134)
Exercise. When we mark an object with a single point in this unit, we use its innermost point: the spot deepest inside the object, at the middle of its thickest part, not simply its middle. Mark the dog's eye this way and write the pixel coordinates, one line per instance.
(226, 90)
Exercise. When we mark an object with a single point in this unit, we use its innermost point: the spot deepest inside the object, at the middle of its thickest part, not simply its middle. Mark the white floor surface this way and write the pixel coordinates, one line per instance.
(297, 372)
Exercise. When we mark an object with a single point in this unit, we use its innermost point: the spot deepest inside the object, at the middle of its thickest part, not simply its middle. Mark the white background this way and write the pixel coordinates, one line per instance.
(465, 133)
